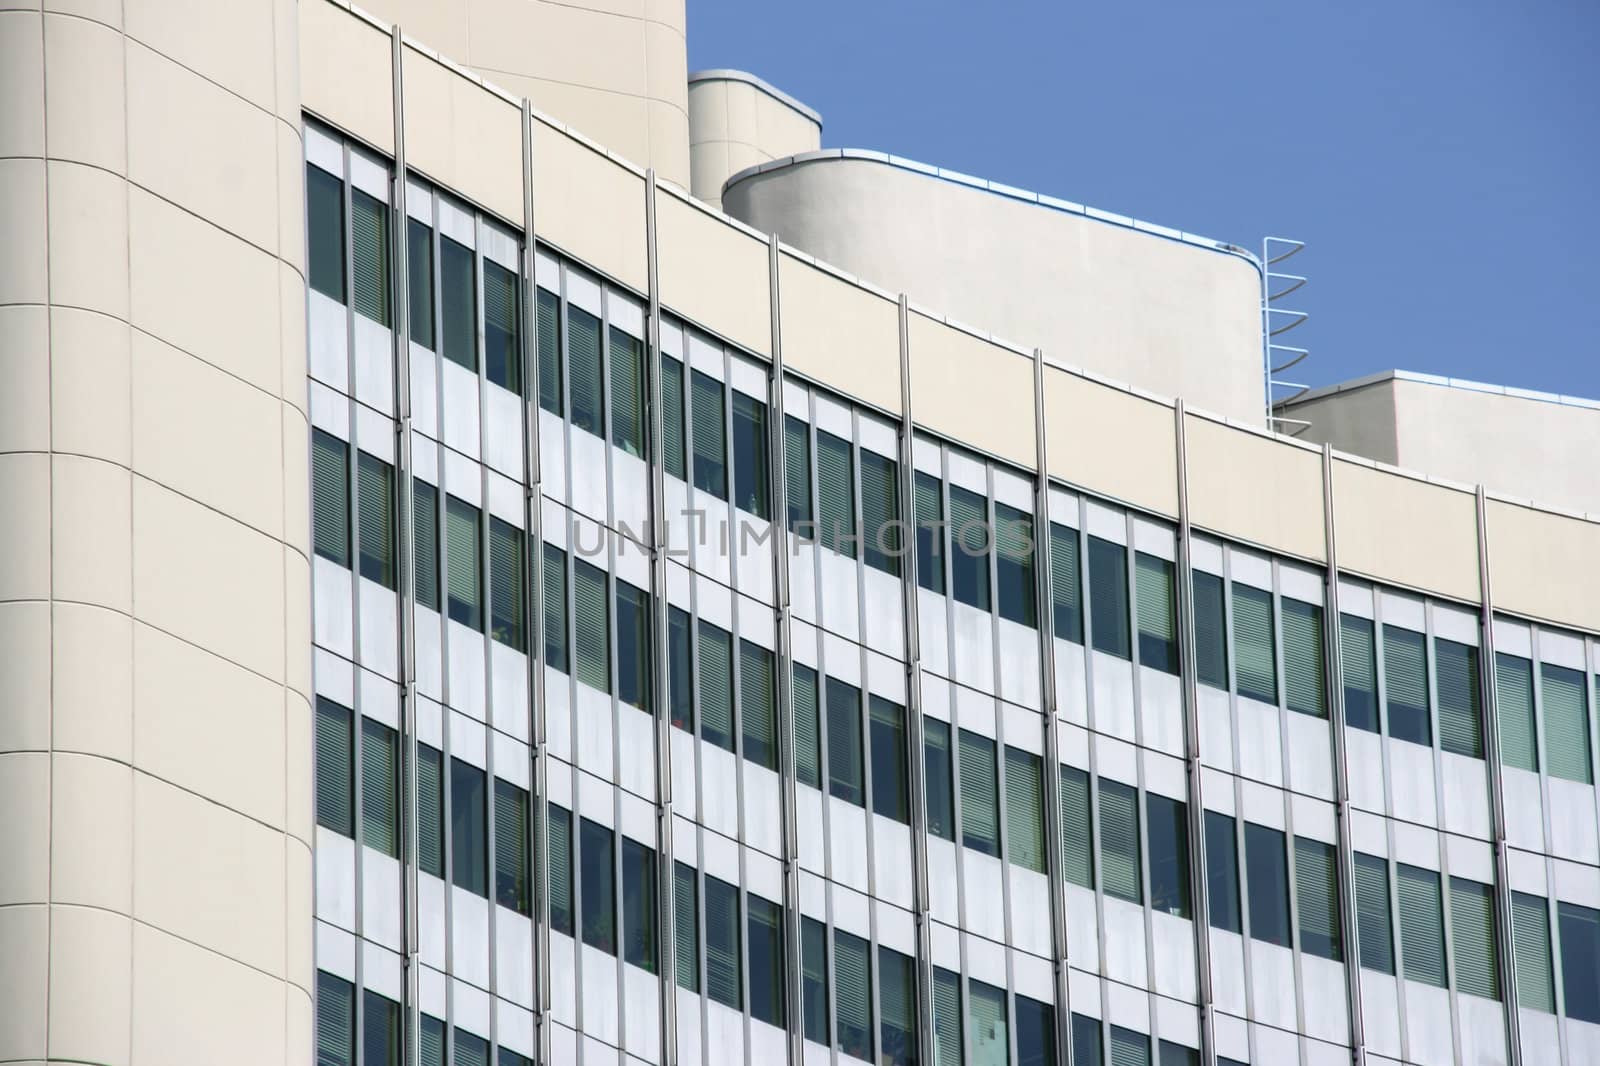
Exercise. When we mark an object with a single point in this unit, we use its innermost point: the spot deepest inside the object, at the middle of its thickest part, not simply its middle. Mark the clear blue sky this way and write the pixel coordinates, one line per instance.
(1440, 159)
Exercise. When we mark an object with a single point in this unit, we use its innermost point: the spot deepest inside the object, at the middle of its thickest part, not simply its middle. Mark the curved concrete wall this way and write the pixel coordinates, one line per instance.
(615, 71)
(155, 754)
(737, 121)
(1156, 312)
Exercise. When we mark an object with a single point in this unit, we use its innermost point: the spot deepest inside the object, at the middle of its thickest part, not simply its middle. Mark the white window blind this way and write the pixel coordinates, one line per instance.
(1530, 916)
(1303, 675)
(591, 626)
(980, 815)
(686, 925)
(1421, 924)
(375, 496)
(1158, 633)
(723, 981)
(990, 1036)
(1405, 679)
(463, 570)
(1566, 723)
(836, 497)
(330, 497)
(1472, 938)
(380, 788)
(1455, 669)
(1077, 837)
(1025, 809)
(756, 705)
(716, 685)
(1254, 656)
(1317, 896)
(369, 257)
(1519, 744)
(1373, 922)
(335, 768)
(627, 392)
(548, 339)
(710, 433)
(807, 730)
(583, 370)
(1119, 840)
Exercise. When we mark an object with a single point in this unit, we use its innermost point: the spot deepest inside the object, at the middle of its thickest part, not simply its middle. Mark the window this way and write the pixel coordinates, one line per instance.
(756, 705)
(1086, 1049)
(1178, 1055)
(1158, 630)
(507, 1057)
(464, 569)
(1014, 565)
(750, 466)
(880, 512)
(560, 857)
(852, 967)
(1129, 1048)
(1316, 893)
(458, 304)
(887, 721)
(844, 741)
(1036, 1033)
(597, 874)
(807, 728)
(680, 671)
(686, 925)
(375, 489)
(1455, 668)
(1530, 919)
(723, 981)
(584, 379)
(336, 1021)
(1513, 680)
(897, 1008)
(1119, 840)
(511, 847)
(1210, 631)
(766, 961)
(1108, 596)
(991, 1039)
(1168, 821)
(1303, 687)
(1222, 872)
(633, 647)
(591, 634)
(325, 232)
(1360, 672)
(380, 787)
(330, 497)
(1065, 597)
(548, 340)
(1025, 809)
(710, 436)
(505, 584)
(797, 470)
(672, 416)
(555, 608)
(1077, 834)
(936, 778)
(430, 810)
(335, 768)
(469, 846)
(430, 1045)
(1580, 961)
(627, 392)
(836, 495)
(930, 532)
(947, 1041)
(1405, 679)
(1268, 874)
(716, 686)
(1421, 924)
(1373, 924)
(980, 799)
(380, 1031)
(638, 905)
(1472, 938)
(1566, 723)
(469, 1050)
(425, 537)
(970, 541)
(814, 979)
(369, 256)
(502, 332)
(1256, 662)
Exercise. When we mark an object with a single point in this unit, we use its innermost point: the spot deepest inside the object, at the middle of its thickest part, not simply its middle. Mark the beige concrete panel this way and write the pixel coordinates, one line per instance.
(666, 72)
(972, 391)
(92, 673)
(297, 611)
(91, 847)
(86, 97)
(207, 874)
(21, 85)
(611, 56)
(291, 234)
(88, 238)
(708, 167)
(91, 1015)
(1111, 442)
(24, 379)
(345, 72)
(292, 323)
(106, 11)
(91, 553)
(226, 43)
(589, 206)
(171, 112)
(299, 913)
(206, 292)
(24, 527)
(299, 817)
(463, 136)
(89, 385)
(191, 1006)
(668, 129)
(25, 830)
(191, 708)
(618, 121)
(708, 111)
(24, 676)
(296, 460)
(1361, 422)
(713, 273)
(1409, 532)
(22, 219)
(1255, 489)
(1543, 565)
(839, 334)
(441, 27)
(207, 579)
(184, 407)
(24, 947)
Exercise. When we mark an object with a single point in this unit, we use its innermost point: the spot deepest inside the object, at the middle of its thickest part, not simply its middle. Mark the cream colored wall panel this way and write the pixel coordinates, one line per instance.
(666, 80)
(22, 99)
(22, 219)
(192, 1007)
(299, 782)
(191, 708)
(1544, 565)
(25, 682)
(86, 93)
(616, 120)
(972, 391)
(299, 913)
(91, 814)
(1398, 529)
(229, 43)
(24, 527)
(463, 136)
(88, 238)
(842, 336)
(209, 875)
(708, 111)
(90, 1017)
(345, 72)
(712, 273)
(589, 206)
(296, 459)
(92, 681)
(1247, 486)
(106, 11)
(297, 611)
(24, 379)
(208, 579)
(299, 1028)
(440, 26)
(24, 945)
(292, 323)
(1111, 442)
(668, 129)
(91, 557)
(568, 43)
(89, 406)
(25, 830)
(291, 206)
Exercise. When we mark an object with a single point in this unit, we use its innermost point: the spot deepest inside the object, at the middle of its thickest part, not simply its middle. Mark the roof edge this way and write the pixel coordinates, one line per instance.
(1463, 384)
(729, 74)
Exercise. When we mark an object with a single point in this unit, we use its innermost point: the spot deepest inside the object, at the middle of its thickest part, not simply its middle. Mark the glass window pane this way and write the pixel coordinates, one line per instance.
(751, 468)
(880, 512)
(1119, 840)
(330, 497)
(852, 967)
(797, 470)
(766, 961)
(638, 905)
(469, 845)
(375, 490)
(1086, 1041)
(1036, 1032)
(380, 787)
(836, 495)
(458, 304)
(1421, 924)
(844, 742)
(887, 722)
(1317, 898)
(987, 1025)
(970, 542)
(1473, 945)
(1268, 873)
(1077, 836)
(757, 709)
(723, 980)
(502, 327)
(430, 1048)
(946, 1017)
(716, 685)
(1210, 631)
(1066, 598)
(1455, 670)
(930, 532)
(549, 341)
(672, 440)
(1303, 688)
(1013, 542)
(560, 857)
(1129, 1048)
(807, 728)
(335, 767)
(1530, 917)
(325, 232)
(511, 848)
(1580, 961)
(336, 1021)
(430, 810)
(633, 647)
(1566, 723)
(1025, 809)
(627, 392)
(686, 925)
(506, 603)
(980, 796)
(1222, 872)
(463, 562)
(680, 670)
(1405, 679)
(1168, 821)
(1519, 746)
(1256, 662)
(380, 1030)
(555, 608)
(1360, 673)
(584, 380)
(1178, 1055)
(936, 777)
(591, 626)
(369, 257)
(597, 871)
(425, 542)
(1108, 596)
(814, 979)
(897, 1000)
(469, 1050)
(1374, 925)
(710, 436)
(1158, 630)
